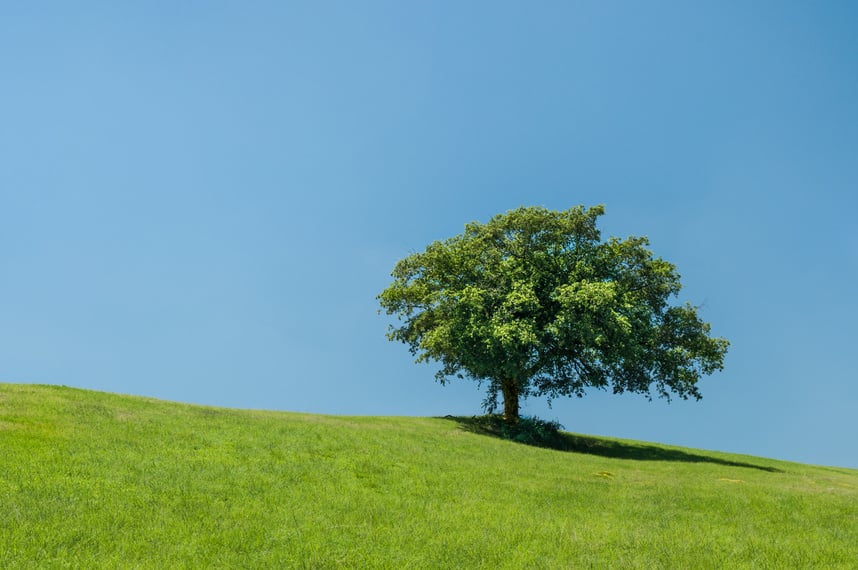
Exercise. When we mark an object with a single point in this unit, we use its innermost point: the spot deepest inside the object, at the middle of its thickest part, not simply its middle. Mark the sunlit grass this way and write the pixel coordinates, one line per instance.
(92, 480)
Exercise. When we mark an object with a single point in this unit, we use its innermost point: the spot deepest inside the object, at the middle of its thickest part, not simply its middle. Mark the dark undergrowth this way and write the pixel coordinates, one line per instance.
(542, 433)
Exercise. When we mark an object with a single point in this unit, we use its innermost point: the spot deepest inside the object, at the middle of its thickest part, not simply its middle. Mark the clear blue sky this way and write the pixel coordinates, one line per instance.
(199, 201)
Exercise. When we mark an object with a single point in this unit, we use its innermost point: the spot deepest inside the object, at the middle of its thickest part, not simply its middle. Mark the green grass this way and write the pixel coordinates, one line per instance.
(95, 480)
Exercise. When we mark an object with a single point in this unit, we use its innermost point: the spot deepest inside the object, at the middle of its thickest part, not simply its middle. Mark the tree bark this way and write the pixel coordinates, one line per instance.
(510, 402)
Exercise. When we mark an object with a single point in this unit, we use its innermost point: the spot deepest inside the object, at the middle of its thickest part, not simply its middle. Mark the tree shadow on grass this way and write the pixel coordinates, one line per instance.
(493, 426)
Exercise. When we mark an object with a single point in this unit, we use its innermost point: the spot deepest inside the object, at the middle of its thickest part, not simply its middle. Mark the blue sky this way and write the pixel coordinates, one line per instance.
(199, 201)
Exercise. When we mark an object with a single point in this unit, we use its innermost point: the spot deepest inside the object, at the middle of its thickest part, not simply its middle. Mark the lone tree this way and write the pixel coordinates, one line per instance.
(534, 303)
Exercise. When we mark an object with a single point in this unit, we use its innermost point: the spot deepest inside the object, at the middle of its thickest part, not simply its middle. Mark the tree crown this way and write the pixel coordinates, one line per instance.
(534, 303)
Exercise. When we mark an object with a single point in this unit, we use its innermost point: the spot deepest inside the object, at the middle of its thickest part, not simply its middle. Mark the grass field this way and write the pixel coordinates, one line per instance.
(95, 480)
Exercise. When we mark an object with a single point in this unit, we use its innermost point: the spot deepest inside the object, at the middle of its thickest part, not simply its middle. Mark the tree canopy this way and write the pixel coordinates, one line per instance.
(534, 303)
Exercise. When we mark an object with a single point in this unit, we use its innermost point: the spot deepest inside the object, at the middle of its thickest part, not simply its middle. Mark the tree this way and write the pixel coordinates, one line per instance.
(534, 303)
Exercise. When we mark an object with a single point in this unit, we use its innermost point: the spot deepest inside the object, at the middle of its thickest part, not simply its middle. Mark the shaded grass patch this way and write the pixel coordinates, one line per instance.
(547, 434)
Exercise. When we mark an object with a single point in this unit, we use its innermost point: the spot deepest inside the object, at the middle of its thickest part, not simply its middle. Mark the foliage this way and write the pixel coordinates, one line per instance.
(532, 431)
(93, 480)
(534, 303)
(528, 430)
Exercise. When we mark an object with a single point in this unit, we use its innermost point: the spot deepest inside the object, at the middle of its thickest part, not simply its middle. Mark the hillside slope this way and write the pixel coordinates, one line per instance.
(89, 479)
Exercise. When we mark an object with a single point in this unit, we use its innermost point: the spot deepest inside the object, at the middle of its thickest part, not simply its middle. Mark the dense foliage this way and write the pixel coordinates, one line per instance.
(534, 303)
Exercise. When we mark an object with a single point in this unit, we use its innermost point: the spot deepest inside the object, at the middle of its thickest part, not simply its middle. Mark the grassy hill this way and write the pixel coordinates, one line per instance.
(95, 480)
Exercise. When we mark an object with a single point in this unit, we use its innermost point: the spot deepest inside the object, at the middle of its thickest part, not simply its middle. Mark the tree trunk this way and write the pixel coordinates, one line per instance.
(510, 402)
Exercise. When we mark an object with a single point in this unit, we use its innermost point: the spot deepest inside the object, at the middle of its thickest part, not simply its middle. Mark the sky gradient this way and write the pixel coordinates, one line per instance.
(199, 201)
